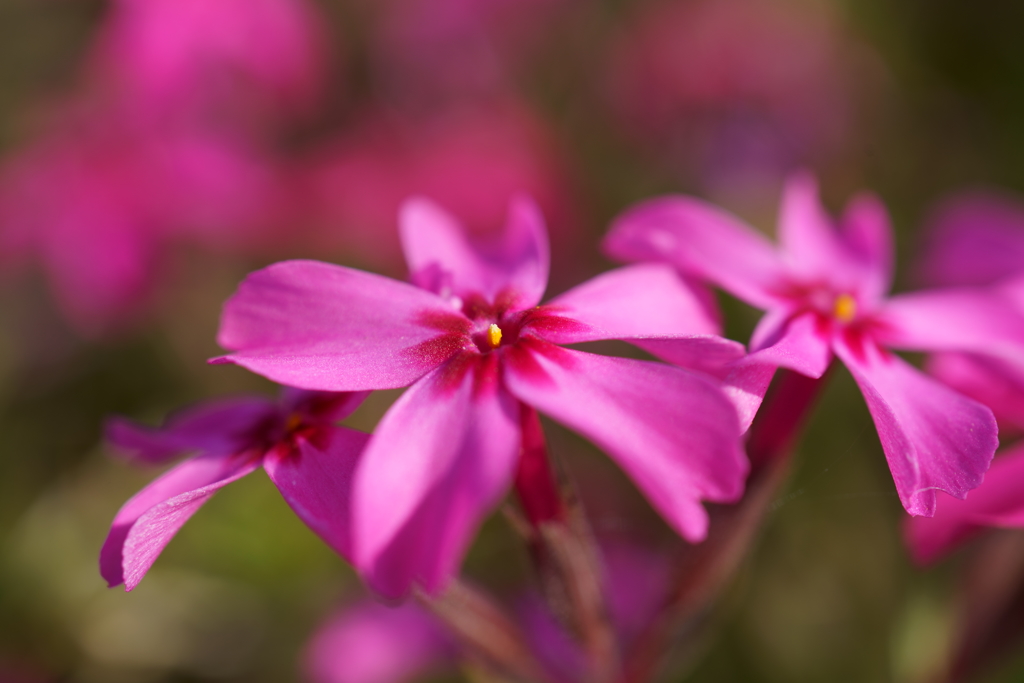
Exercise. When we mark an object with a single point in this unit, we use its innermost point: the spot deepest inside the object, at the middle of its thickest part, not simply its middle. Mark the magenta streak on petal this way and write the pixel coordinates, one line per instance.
(149, 520)
(674, 432)
(934, 438)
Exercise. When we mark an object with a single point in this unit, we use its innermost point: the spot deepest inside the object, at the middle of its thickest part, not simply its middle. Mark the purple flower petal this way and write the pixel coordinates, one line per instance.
(934, 438)
(321, 406)
(635, 301)
(977, 320)
(998, 502)
(221, 427)
(437, 463)
(701, 240)
(867, 230)
(799, 345)
(672, 431)
(319, 326)
(149, 520)
(442, 259)
(315, 478)
(370, 643)
(998, 385)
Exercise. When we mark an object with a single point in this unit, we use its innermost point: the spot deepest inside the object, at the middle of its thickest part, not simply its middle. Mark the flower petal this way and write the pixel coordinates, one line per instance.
(149, 520)
(318, 326)
(321, 406)
(867, 231)
(969, 319)
(315, 478)
(998, 385)
(673, 431)
(220, 426)
(998, 502)
(442, 259)
(934, 438)
(370, 643)
(799, 343)
(635, 301)
(439, 460)
(701, 240)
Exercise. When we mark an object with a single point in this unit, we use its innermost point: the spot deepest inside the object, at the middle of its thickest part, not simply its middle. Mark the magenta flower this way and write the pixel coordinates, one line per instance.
(998, 502)
(824, 290)
(481, 355)
(304, 453)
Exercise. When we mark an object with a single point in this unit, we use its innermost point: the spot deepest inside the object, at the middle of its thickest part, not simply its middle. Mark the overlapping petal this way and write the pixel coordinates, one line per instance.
(998, 502)
(998, 385)
(438, 461)
(149, 520)
(797, 343)
(321, 406)
(222, 427)
(702, 240)
(867, 231)
(318, 326)
(636, 301)
(934, 438)
(315, 478)
(442, 259)
(672, 431)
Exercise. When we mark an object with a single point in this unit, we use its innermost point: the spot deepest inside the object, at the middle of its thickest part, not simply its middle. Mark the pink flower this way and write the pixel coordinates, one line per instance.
(481, 355)
(308, 458)
(824, 290)
(186, 55)
(998, 502)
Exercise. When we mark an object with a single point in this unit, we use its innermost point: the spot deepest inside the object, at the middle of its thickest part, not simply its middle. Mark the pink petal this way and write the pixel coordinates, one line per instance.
(998, 502)
(799, 343)
(318, 326)
(315, 479)
(998, 385)
(934, 438)
(635, 301)
(321, 406)
(701, 240)
(438, 462)
(969, 319)
(974, 238)
(442, 259)
(673, 431)
(220, 426)
(149, 520)
(369, 643)
(857, 260)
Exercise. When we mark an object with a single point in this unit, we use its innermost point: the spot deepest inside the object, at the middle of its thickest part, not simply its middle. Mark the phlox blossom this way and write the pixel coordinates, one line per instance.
(824, 289)
(481, 356)
(304, 453)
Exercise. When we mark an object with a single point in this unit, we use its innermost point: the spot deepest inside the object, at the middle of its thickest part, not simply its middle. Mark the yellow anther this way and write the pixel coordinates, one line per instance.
(845, 308)
(494, 335)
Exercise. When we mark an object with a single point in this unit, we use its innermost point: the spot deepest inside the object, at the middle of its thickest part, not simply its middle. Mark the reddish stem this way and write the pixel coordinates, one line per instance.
(535, 483)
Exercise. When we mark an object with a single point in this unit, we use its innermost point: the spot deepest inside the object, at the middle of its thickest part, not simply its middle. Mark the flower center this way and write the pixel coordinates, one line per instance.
(845, 308)
(494, 335)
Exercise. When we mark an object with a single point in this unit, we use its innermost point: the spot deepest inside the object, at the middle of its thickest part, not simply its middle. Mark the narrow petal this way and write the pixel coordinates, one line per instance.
(315, 478)
(370, 643)
(998, 385)
(437, 463)
(978, 320)
(635, 301)
(701, 240)
(857, 259)
(998, 502)
(149, 520)
(673, 431)
(318, 326)
(321, 406)
(934, 438)
(800, 344)
(442, 259)
(221, 426)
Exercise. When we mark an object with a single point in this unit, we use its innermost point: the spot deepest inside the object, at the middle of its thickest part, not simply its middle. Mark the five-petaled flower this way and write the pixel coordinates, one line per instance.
(481, 356)
(304, 453)
(824, 291)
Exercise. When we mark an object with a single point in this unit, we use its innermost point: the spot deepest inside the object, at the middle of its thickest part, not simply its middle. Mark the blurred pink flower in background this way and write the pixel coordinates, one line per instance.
(825, 293)
(182, 56)
(736, 91)
(469, 159)
(977, 238)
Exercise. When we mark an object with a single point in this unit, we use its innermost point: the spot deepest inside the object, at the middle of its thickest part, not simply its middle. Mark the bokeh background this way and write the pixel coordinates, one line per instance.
(152, 153)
